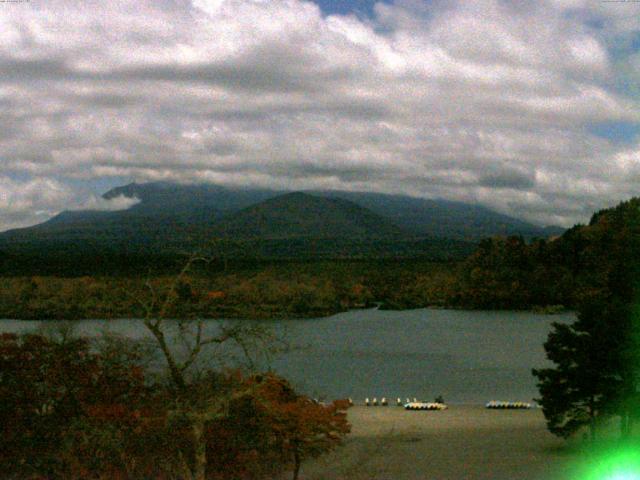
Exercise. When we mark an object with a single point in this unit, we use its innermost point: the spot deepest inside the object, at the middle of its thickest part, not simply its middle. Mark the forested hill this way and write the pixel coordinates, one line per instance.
(195, 207)
(296, 215)
(433, 218)
(171, 220)
(444, 218)
(509, 273)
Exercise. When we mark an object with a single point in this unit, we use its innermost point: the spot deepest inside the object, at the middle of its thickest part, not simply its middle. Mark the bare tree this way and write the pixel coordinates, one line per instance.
(199, 402)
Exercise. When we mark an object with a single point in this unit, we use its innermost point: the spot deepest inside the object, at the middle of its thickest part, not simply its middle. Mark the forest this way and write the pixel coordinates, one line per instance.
(596, 371)
(272, 290)
(502, 273)
(510, 273)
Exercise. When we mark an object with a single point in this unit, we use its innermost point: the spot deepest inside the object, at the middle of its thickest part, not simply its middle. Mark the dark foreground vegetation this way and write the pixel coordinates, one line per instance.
(596, 373)
(71, 409)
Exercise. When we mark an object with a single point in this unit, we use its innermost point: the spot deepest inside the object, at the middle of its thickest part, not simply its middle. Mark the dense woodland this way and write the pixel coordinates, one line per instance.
(596, 372)
(275, 290)
(509, 273)
(503, 273)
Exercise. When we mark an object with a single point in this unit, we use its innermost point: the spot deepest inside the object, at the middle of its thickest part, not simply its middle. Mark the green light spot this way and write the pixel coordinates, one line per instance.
(621, 464)
(624, 476)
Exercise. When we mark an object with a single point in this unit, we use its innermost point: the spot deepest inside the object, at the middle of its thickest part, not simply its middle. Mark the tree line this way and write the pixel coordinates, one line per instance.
(596, 372)
(270, 290)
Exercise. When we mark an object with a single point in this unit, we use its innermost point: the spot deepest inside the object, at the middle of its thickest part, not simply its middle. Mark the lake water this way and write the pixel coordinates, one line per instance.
(465, 356)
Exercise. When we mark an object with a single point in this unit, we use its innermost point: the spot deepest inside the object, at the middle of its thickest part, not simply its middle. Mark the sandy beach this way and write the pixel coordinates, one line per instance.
(463, 442)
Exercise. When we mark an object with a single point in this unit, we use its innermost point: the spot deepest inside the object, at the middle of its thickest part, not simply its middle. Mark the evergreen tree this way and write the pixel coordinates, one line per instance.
(572, 393)
(597, 362)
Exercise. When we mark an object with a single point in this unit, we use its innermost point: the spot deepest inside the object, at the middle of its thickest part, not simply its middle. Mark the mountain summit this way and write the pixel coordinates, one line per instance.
(296, 215)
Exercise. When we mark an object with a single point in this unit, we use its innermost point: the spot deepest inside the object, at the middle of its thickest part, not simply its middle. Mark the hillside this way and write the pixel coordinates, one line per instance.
(444, 218)
(171, 218)
(508, 273)
(296, 215)
(423, 217)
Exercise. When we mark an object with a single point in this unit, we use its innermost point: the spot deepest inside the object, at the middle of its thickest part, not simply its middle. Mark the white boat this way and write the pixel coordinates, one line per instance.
(425, 406)
(499, 405)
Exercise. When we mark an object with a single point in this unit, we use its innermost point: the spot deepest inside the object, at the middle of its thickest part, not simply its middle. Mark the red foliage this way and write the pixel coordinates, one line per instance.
(216, 295)
(270, 426)
(59, 395)
(68, 411)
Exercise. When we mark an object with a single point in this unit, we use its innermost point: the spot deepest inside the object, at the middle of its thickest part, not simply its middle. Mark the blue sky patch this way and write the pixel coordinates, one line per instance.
(618, 132)
(98, 186)
(358, 7)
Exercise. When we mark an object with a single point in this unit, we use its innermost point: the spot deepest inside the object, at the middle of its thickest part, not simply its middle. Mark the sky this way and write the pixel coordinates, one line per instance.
(529, 107)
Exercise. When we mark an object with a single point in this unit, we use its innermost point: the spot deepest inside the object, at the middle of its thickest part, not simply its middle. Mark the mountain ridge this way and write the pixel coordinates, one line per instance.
(172, 218)
(302, 215)
(209, 203)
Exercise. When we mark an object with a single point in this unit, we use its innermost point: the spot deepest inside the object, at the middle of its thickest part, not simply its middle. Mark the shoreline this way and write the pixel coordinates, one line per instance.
(322, 316)
(464, 442)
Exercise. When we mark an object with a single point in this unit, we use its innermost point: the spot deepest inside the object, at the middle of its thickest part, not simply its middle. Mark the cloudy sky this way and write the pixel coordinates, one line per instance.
(526, 106)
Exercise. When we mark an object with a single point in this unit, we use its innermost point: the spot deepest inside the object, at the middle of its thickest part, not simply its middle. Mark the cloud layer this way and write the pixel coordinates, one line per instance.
(487, 101)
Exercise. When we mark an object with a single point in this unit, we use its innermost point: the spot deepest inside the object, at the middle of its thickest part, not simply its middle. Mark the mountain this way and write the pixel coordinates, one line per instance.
(168, 215)
(300, 215)
(444, 218)
(192, 205)
(418, 216)
(266, 223)
(187, 200)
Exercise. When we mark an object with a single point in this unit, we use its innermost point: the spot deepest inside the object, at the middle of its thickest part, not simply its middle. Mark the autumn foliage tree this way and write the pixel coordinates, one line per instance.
(49, 388)
(70, 410)
(73, 408)
(270, 426)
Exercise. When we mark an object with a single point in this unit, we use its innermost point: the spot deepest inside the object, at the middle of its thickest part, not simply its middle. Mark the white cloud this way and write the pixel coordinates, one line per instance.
(25, 203)
(477, 101)
(119, 202)
(28, 202)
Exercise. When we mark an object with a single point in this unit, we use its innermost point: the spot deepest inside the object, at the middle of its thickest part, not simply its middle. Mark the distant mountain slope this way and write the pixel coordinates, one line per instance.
(296, 215)
(171, 217)
(425, 217)
(167, 214)
(128, 226)
(176, 199)
(444, 218)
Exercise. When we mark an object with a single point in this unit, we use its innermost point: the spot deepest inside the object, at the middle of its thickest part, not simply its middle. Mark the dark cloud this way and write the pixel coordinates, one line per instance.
(508, 179)
(31, 69)
(108, 100)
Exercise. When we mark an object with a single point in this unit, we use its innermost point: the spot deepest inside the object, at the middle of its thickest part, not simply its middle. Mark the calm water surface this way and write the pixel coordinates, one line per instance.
(466, 356)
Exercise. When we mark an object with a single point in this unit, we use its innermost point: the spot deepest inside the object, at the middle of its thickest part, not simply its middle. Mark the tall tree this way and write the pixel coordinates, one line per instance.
(197, 401)
(597, 361)
(574, 394)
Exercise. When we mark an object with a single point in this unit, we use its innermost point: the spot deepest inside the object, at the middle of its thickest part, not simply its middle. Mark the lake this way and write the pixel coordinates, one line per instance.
(465, 356)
